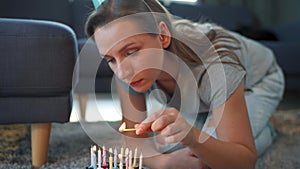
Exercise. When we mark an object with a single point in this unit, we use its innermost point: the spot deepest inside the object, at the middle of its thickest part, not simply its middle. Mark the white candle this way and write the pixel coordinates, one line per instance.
(141, 161)
(121, 158)
(122, 151)
(93, 156)
(115, 157)
(134, 158)
(130, 160)
(91, 152)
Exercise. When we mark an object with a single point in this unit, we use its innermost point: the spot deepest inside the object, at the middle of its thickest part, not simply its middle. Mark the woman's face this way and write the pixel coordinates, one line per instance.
(135, 56)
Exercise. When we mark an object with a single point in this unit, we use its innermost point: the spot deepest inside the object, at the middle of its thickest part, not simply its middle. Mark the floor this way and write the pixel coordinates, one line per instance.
(103, 108)
(69, 144)
(99, 108)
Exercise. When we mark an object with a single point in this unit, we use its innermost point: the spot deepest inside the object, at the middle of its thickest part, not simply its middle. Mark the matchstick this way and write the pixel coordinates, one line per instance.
(130, 129)
(124, 129)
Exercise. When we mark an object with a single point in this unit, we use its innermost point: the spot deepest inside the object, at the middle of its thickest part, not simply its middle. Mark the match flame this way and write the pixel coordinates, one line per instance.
(122, 127)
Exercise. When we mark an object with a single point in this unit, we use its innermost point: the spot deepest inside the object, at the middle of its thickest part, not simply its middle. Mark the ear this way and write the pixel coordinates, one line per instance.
(164, 34)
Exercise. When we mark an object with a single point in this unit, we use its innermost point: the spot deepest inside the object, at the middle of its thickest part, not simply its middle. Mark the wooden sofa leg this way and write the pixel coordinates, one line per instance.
(83, 98)
(40, 134)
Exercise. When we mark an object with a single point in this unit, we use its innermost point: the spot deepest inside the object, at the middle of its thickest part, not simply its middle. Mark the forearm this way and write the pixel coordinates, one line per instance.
(157, 161)
(234, 148)
(219, 154)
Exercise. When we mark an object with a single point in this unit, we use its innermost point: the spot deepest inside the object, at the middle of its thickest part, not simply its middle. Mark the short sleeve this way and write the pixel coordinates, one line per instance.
(219, 81)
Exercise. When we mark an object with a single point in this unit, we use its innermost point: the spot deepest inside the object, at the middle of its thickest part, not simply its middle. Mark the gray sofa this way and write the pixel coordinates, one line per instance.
(36, 66)
(236, 18)
(74, 14)
(280, 38)
(283, 39)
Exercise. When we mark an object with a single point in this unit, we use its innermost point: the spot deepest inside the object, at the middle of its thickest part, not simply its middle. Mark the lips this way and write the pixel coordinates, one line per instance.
(136, 83)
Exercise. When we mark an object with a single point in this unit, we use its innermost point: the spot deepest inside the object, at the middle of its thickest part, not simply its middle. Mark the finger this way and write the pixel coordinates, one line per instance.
(179, 125)
(175, 133)
(169, 130)
(163, 121)
(145, 126)
(175, 138)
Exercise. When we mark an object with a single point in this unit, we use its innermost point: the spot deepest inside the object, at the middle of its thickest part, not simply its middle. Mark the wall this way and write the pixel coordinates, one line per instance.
(289, 10)
(269, 12)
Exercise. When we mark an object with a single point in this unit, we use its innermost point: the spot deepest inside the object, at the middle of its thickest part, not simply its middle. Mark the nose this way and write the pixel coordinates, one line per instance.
(124, 70)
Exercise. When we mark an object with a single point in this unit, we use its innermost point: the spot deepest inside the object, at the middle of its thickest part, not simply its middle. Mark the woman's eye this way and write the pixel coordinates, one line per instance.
(131, 52)
(110, 60)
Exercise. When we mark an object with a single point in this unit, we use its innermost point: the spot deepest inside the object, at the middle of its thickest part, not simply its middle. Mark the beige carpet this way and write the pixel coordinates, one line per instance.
(69, 143)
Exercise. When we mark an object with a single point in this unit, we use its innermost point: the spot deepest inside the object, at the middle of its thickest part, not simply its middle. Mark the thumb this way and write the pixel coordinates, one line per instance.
(145, 126)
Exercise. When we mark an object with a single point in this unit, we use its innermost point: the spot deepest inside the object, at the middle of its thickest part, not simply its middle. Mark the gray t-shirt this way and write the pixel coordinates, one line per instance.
(216, 81)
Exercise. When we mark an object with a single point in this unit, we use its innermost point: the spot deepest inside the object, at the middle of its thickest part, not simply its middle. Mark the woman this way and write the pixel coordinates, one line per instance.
(218, 89)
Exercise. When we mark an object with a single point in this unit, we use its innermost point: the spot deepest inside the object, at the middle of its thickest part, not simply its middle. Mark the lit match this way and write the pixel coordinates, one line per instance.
(124, 129)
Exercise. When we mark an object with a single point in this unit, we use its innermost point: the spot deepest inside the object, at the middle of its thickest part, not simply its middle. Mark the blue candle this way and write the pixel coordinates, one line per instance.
(93, 157)
(115, 158)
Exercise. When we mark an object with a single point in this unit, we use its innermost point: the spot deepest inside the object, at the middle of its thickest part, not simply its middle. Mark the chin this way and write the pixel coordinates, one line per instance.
(141, 89)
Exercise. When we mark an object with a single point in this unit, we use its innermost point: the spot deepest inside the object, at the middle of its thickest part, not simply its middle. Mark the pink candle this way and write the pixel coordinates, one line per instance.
(126, 158)
(104, 164)
(127, 162)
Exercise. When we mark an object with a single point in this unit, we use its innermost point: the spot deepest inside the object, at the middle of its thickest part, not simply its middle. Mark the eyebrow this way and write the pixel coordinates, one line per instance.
(126, 46)
(121, 50)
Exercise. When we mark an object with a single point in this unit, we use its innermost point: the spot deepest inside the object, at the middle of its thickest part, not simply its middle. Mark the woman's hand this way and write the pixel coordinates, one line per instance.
(171, 125)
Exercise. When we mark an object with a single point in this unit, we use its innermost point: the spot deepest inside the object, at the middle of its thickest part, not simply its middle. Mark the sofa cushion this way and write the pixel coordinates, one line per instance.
(33, 57)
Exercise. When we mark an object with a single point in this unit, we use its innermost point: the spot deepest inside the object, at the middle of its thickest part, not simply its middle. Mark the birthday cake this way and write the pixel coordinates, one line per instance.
(101, 159)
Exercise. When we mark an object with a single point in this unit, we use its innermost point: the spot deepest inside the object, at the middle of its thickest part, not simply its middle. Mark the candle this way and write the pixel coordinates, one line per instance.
(126, 157)
(91, 152)
(121, 158)
(141, 161)
(104, 164)
(104, 155)
(130, 160)
(134, 158)
(127, 162)
(99, 157)
(93, 156)
(110, 158)
(115, 158)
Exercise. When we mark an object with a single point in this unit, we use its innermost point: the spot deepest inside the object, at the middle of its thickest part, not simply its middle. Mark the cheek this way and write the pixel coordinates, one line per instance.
(149, 59)
(113, 68)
